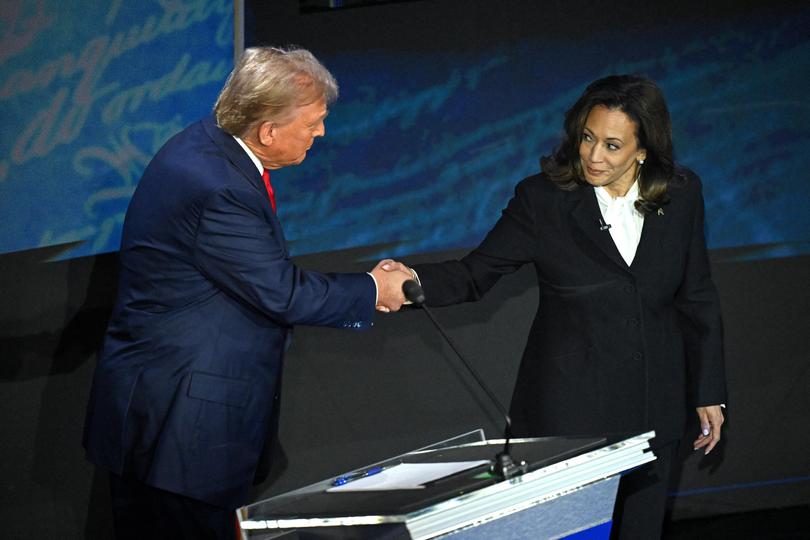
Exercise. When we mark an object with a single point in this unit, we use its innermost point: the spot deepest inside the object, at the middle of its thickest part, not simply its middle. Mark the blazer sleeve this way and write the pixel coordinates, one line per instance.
(509, 245)
(698, 304)
(241, 252)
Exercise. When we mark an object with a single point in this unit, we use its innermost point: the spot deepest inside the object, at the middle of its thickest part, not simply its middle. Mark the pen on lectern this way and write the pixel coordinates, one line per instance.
(346, 478)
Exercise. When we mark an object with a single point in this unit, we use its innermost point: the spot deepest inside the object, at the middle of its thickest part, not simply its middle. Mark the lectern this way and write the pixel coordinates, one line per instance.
(568, 491)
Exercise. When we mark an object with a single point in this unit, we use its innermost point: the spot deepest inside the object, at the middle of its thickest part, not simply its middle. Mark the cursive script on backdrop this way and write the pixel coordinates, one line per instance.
(67, 91)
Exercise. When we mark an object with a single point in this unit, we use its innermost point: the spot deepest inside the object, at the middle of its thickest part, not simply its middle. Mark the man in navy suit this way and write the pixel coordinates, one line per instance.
(185, 395)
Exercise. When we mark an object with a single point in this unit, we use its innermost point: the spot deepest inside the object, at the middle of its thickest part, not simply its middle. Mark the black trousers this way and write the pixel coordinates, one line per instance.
(642, 498)
(141, 512)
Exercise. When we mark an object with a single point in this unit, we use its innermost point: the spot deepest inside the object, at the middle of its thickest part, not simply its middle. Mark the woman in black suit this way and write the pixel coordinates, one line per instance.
(628, 325)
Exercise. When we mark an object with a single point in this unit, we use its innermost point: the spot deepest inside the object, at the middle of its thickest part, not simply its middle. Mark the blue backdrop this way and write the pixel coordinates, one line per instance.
(423, 147)
(88, 92)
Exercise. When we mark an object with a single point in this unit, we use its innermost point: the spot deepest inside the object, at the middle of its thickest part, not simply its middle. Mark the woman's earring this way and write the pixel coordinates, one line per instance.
(641, 162)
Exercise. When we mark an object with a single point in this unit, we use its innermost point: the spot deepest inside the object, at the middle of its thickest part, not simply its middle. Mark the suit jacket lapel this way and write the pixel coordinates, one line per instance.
(236, 155)
(652, 237)
(586, 215)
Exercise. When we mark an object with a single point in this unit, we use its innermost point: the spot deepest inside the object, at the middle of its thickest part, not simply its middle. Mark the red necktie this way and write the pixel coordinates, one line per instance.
(270, 192)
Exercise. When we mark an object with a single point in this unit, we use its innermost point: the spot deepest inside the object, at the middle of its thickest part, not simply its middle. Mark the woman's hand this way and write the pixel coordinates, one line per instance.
(711, 420)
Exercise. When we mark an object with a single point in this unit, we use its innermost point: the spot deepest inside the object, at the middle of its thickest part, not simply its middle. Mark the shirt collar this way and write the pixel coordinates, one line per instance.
(607, 199)
(250, 154)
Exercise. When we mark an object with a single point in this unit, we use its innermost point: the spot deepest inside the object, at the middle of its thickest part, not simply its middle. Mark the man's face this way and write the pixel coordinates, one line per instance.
(292, 140)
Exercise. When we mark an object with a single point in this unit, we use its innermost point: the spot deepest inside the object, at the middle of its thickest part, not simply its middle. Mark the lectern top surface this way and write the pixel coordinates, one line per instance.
(315, 502)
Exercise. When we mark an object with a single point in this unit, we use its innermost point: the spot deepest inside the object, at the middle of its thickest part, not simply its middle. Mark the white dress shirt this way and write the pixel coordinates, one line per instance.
(256, 161)
(625, 221)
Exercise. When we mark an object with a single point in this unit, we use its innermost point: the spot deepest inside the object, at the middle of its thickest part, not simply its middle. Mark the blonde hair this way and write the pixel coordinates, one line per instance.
(267, 84)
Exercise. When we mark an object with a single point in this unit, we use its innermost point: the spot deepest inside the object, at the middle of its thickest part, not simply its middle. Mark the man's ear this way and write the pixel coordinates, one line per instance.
(267, 133)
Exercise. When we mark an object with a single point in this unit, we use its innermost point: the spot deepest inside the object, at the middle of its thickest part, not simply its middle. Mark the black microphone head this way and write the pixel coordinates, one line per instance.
(413, 292)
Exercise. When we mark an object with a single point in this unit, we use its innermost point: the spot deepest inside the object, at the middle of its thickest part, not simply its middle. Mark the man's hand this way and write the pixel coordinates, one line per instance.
(390, 275)
(711, 420)
(390, 265)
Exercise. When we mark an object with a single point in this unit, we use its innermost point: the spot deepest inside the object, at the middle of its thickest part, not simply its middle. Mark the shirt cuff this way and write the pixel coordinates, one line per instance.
(376, 288)
(416, 279)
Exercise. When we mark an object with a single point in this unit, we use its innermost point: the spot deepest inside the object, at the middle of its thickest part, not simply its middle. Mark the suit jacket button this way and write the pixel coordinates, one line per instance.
(637, 355)
(632, 321)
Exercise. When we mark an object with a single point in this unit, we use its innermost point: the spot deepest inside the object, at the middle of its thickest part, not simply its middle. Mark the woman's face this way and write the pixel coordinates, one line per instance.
(609, 151)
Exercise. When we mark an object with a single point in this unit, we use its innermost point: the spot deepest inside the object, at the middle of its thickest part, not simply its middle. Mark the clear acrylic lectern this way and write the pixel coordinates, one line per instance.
(567, 492)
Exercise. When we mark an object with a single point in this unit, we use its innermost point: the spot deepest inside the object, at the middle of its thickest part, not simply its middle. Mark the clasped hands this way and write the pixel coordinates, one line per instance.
(390, 275)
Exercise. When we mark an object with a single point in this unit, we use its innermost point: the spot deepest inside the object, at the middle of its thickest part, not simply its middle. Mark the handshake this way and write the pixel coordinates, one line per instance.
(390, 275)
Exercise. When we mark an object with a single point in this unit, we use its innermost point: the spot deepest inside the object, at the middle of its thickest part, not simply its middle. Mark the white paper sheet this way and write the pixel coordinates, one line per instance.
(407, 476)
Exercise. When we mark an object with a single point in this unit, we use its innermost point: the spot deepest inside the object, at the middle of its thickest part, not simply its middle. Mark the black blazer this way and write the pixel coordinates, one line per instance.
(612, 347)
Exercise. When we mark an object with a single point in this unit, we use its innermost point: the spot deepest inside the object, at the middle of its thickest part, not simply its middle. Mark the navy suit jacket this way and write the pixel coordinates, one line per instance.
(613, 348)
(188, 376)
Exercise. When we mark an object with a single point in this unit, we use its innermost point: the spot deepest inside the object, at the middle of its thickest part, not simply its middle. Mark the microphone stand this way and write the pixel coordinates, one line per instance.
(503, 465)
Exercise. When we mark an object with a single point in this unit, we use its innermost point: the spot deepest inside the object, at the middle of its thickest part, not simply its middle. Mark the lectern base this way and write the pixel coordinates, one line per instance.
(557, 518)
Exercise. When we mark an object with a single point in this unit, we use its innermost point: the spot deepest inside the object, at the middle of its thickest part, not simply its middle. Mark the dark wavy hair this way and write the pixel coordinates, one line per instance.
(642, 101)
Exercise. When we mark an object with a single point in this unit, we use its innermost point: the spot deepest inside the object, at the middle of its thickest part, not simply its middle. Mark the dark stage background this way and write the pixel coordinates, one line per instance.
(444, 107)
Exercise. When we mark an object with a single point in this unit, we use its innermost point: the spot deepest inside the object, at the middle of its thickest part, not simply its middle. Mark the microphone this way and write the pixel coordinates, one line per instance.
(602, 225)
(413, 292)
(503, 465)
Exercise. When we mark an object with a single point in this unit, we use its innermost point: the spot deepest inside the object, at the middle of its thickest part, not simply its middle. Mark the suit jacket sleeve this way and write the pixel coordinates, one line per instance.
(698, 303)
(509, 245)
(242, 252)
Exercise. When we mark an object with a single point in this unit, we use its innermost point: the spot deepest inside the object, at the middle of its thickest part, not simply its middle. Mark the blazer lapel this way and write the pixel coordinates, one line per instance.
(235, 153)
(586, 215)
(652, 237)
(245, 165)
